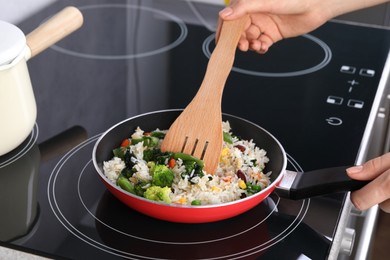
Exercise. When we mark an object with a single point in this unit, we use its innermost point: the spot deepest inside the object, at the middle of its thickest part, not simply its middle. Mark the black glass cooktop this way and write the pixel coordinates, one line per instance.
(313, 93)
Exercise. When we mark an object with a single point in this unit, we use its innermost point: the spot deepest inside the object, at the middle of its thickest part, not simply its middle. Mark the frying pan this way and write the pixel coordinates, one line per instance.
(287, 184)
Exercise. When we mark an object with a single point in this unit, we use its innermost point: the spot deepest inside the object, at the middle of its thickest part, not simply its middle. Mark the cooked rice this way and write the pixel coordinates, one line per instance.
(221, 187)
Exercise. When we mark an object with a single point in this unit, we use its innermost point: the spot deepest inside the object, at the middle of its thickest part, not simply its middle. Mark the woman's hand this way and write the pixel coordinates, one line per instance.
(273, 20)
(378, 190)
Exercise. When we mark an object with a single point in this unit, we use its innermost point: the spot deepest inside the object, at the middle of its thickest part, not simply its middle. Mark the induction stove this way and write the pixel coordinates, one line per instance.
(317, 94)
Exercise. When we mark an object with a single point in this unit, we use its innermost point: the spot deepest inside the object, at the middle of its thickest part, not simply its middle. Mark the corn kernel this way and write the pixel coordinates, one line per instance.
(242, 184)
(215, 188)
(225, 151)
(224, 155)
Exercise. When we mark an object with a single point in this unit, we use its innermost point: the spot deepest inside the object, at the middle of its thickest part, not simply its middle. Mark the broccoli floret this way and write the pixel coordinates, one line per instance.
(158, 193)
(162, 175)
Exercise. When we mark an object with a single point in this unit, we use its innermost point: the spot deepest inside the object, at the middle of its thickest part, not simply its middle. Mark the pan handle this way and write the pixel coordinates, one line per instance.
(302, 185)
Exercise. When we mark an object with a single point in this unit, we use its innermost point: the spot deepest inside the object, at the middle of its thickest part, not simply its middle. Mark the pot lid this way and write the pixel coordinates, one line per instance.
(12, 42)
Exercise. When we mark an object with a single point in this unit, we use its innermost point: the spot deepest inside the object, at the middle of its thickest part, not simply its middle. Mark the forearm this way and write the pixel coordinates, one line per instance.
(334, 8)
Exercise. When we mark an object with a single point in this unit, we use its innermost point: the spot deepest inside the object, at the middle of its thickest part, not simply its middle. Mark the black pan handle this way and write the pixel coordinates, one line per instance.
(302, 185)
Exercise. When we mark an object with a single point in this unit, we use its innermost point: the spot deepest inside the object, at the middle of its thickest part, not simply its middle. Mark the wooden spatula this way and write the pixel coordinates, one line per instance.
(198, 129)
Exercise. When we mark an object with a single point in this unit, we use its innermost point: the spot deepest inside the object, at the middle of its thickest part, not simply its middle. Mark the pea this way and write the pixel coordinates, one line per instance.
(196, 203)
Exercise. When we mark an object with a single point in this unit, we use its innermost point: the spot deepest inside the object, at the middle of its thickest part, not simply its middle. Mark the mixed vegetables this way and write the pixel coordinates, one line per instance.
(141, 154)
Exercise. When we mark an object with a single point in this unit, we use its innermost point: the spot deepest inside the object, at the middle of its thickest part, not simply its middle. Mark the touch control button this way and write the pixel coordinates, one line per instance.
(334, 121)
(367, 73)
(355, 103)
(347, 69)
(334, 100)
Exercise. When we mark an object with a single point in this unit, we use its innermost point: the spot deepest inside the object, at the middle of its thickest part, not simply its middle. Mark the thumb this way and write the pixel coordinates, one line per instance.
(371, 169)
(239, 8)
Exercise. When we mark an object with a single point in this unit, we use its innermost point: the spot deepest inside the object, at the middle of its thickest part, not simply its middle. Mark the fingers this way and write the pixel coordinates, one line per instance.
(375, 192)
(250, 39)
(260, 45)
(378, 190)
(252, 32)
(260, 32)
(266, 43)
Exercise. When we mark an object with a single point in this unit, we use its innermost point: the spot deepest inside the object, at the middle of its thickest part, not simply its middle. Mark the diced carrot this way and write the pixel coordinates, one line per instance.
(125, 142)
(182, 200)
(227, 179)
(171, 163)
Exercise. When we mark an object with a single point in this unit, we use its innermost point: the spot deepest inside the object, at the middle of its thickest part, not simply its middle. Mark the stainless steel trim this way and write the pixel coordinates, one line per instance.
(287, 181)
(362, 154)
(336, 243)
(363, 244)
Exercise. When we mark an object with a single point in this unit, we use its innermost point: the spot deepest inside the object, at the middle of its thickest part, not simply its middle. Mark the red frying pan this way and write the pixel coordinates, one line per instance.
(294, 185)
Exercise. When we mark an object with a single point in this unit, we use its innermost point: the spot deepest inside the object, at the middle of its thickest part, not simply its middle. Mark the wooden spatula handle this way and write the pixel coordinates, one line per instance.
(233, 29)
(199, 127)
(56, 28)
(221, 60)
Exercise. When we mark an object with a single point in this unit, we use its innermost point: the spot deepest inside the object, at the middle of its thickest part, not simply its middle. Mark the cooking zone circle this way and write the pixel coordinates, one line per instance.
(22, 149)
(128, 31)
(124, 232)
(280, 62)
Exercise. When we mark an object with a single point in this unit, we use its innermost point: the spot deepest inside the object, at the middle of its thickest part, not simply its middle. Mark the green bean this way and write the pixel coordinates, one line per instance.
(187, 157)
(125, 184)
(149, 141)
(159, 135)
(227, 138)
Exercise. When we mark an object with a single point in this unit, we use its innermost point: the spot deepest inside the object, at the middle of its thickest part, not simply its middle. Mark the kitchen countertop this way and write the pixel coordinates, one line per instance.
(8, 253)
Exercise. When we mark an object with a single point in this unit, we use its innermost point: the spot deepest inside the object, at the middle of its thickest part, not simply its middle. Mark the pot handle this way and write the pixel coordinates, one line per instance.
(302, 185)
(54, 29)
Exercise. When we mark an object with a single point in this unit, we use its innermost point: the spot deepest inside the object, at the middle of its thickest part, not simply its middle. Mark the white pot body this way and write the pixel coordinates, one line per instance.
(18, 109)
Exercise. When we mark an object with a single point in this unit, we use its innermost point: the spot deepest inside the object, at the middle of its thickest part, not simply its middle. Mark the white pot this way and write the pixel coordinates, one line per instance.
(18, 109)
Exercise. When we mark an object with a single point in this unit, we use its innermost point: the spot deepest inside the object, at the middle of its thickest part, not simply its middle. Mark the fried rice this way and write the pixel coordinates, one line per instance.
(240, 172)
